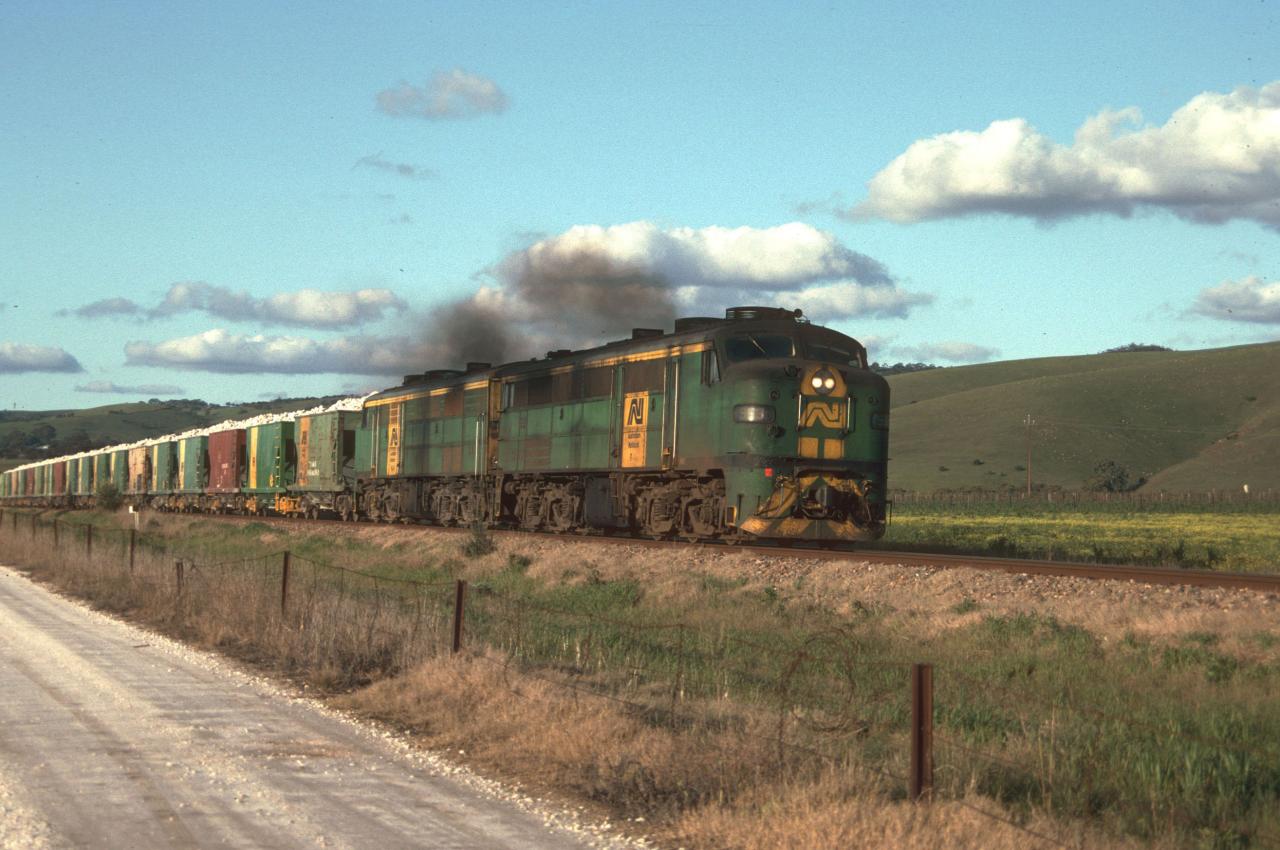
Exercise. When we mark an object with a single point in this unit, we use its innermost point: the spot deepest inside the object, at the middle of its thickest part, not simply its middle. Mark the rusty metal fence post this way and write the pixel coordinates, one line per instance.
(921, 782)
(133, 545)
(284, 582)
(459, 607)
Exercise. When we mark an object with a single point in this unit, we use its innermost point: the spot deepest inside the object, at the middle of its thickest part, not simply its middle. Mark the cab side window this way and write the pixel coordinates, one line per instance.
(710, 367)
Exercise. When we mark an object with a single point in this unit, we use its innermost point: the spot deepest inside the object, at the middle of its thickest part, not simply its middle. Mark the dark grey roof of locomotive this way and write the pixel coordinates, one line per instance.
(691, 329)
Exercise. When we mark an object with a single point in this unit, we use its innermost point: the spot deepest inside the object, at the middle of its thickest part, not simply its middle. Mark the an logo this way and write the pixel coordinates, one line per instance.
(635, 412)
(828, 414)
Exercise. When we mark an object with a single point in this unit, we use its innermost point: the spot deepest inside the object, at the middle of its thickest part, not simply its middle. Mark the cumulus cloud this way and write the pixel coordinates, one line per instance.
(1217, 158)
(592, 283)
(109, 387)
(219, 350)
(105, 307)
(308, 308)
(952, 352)
(400, 169)
(17, 357)
(1249, 300)
(448, 94)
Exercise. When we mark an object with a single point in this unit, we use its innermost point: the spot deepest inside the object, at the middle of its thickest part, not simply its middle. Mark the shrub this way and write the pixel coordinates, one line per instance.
(109, 497)
(480, 543)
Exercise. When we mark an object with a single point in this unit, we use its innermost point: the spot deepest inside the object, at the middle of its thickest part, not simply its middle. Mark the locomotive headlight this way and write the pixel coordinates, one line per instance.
(823, 381)
(755, 414)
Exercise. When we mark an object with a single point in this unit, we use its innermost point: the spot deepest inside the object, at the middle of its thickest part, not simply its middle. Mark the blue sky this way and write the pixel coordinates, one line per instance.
(698, 155)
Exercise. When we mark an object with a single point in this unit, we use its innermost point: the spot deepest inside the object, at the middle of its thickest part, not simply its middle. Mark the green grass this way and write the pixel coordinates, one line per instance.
(1174, 738)
(1236, 537)
(1194, 420)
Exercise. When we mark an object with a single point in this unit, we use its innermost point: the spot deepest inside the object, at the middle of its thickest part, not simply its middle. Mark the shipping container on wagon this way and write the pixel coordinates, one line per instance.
(327, 444)
(139, 479)
(59, 482)
(73, 475)
(226, 461)
(193, 465)
(164, 467)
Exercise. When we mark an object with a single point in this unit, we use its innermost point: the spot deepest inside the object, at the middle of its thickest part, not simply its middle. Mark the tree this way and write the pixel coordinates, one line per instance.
(1109, 476)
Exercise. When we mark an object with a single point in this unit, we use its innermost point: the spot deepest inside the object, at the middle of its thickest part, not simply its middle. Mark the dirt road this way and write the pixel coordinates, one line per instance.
(113, 737)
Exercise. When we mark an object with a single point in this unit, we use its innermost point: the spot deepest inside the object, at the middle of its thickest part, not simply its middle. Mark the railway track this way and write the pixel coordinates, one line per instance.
(1266, 583)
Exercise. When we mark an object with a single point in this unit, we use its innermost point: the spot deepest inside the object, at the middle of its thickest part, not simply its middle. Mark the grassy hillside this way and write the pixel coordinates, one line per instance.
(75, 430)
(1185, 420)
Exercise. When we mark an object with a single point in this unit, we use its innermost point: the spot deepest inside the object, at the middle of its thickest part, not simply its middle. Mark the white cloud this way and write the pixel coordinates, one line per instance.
(951, 351)
(1248, 300)
(105, 307)
(448, 94)
(16, 357)
(310, 308)
(219, 350)
(110, 387)
(1217, 158)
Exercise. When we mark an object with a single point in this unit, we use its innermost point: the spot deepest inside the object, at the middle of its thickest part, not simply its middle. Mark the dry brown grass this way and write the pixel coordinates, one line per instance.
(693, 788)
(709, 784)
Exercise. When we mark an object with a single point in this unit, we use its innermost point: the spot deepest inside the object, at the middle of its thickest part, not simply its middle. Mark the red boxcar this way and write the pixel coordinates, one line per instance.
(60, 478)
(226, 460)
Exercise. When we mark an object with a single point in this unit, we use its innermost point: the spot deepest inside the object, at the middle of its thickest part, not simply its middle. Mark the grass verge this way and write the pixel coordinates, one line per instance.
(717, 711)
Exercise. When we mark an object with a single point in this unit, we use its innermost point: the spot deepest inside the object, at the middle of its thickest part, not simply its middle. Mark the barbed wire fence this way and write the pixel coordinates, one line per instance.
(820, 700)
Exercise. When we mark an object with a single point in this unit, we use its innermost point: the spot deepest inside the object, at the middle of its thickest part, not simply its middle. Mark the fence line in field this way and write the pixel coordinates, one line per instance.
(818, 698)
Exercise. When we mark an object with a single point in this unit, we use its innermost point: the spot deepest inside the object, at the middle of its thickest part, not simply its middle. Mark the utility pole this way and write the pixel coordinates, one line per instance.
(1029, 422)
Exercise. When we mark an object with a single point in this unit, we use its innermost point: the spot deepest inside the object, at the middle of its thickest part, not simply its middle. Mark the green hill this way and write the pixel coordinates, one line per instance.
(24, 434)
(1184, 420)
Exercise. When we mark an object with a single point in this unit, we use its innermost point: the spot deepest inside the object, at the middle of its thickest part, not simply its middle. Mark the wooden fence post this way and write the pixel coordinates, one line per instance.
(88, 541)
(459, 606)
(921, 732)
(133, 545)
(177, 574)
(284, 582)
(55, 533)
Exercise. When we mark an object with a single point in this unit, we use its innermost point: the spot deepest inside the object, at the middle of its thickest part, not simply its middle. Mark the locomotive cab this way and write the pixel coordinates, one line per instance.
(805, 438)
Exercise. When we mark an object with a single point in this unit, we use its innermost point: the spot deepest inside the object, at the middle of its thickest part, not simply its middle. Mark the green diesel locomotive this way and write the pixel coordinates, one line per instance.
(759, 425)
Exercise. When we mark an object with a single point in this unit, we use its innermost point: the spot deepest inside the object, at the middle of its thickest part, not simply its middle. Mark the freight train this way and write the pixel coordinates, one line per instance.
(759, 425)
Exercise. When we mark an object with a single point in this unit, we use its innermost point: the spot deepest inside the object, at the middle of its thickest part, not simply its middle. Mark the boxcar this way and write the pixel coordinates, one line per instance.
(226, 469)
(330, 446)
(272, 463)
(139, 466)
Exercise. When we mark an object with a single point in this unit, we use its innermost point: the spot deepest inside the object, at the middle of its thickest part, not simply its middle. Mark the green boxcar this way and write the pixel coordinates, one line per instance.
(327, 450)
(272, 458)
(164, 468)
(193, 465)
(119, 469)
(101, 470)
(84, 480)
